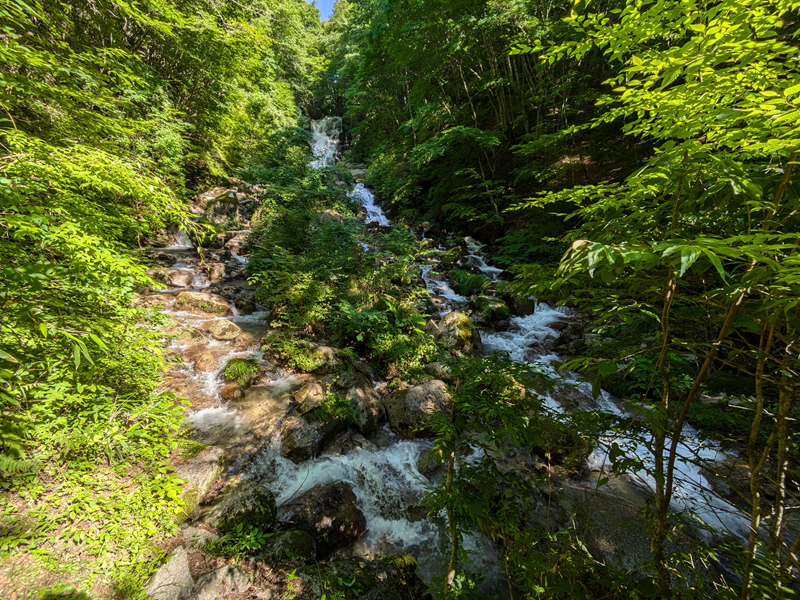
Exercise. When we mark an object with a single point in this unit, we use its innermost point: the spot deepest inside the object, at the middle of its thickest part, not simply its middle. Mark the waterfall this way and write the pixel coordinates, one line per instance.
(325, 141)
(182, 241)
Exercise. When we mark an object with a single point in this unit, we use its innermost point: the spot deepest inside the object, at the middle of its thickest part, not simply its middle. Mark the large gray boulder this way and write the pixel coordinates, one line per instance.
(173, 580)
(223, 582)
(329, 514)
(302, 439)
(247, 503)
(200, 474)
(410, 412)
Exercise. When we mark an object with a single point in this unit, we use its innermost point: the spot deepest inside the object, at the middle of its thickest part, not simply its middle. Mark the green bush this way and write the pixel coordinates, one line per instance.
(468, 284)
(240, 369)
(333, 406)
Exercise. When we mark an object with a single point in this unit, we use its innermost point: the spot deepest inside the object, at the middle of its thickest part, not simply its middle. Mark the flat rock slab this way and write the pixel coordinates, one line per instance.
(173, 580)
(222, 582)
(200, 474)
(203, 304)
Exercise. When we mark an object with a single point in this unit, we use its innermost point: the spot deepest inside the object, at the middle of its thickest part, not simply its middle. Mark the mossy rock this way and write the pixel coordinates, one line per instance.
(492, 309)
(296, 546)
(196, 302)
(248, 504)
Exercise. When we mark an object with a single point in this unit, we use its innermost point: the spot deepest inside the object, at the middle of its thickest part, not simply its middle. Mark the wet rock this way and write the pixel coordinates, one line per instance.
(240, 244)
(206, 362)
(329, 514)
(190, 337)
(247, 503)
(382, 579)
(222, 329)
(195, 538)
(327, 357)
(502, 325)
(200, 474)
(410, 411)
(297, 546)
(231, 391)
(491, 309)
(215, 271)
(521, 307)
(172, 277)
(223, 209)
(439, 370)
(302, 440)
(571, 339)
(203, 304)
(366, 404)
(159, 301)
(451, 257)
(222, 582)
(173, 580)
(309, 397)
(348, 441)
(456, 331)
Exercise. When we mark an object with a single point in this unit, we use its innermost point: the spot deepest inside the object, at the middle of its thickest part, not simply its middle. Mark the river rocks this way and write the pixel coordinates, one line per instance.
(366, 404)
(239, 244)
(200, 474)
(503, 325)
(451, 257)
(410, 411)
(223, 209)
(222, 582)
(326, 357)
(158, 301)
(302, 440)
(298, 546)
(173, 580)
(439, 370)
(329, 514)
(247, 503)
(215, 271)
(456, 332)
(206, 362)
(202, 304)
(571, 339)
(231, 391)
(521, 307)
(189, 337)
(309, 397)
(383, 579)
(172, 277)
(222, 329)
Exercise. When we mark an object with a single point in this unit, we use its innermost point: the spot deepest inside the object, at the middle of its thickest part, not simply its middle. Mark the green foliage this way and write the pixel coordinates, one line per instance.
(468, 284)
(238, 543)
(240, 370)
(297, 353)
(333, 406)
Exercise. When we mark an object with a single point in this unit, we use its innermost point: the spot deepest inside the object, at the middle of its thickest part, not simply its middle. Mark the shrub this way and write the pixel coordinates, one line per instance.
(468, 284)
(240, 369)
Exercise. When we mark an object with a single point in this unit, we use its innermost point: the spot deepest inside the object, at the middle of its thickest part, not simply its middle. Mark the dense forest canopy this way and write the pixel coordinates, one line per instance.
(633, 161)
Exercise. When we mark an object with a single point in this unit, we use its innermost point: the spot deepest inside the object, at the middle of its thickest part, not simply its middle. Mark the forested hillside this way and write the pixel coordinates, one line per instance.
(476, 299)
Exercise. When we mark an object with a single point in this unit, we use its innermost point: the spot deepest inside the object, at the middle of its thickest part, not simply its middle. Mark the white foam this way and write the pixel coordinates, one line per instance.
(366, 199)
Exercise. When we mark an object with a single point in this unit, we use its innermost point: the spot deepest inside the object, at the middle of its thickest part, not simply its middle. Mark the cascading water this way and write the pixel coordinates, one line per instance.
(526, 342)
(182, 241)
(366, 199)
(325, 141)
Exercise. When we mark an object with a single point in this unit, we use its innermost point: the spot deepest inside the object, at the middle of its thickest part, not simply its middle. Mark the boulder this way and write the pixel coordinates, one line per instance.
(215, 271)
(456, 331)
(239, 244)
(410, 411)
(222, 329)
(329, 514)
(247, 503)
(222, 582)
(195, 538)
(202, 304)
(199, 474)
(172, 277)
(326, 356)
(521, 307)
(173, 580)
(309, 397)
(439, 370)
(231, 391)
(297, 546)
(223, 209)
(503, 325)
(206, 362)
(381, 579)
(302, 439)
(190, 337)
(491, 309)
(366, 404)
(159, 301)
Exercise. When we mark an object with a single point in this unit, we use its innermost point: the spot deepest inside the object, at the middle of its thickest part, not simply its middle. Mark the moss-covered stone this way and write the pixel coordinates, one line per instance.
(491, 309)
(248, 503)
(209, 304)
